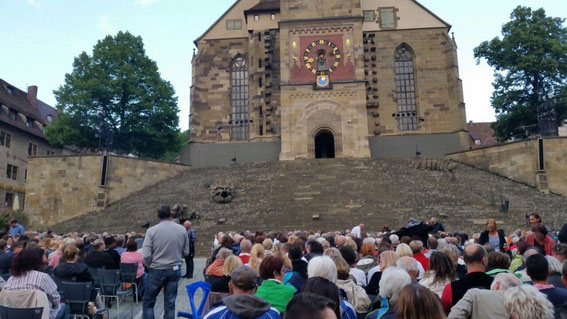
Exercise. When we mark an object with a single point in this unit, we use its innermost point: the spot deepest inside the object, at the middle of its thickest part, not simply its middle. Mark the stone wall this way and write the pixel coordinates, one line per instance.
(60, 188)
(17, 155)
(519, 161)
(330, 195)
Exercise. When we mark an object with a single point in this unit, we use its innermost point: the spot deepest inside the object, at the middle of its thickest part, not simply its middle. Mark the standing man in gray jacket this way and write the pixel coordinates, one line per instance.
(164, 247)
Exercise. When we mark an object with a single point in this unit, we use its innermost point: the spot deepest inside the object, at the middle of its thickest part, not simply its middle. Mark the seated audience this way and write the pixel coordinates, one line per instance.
(431, 246)
(392, 282)
(26, 275)
(482, 303)
(416, 247)
(418, 302)
(245, 246)
(526, 302)
(388, 258)
(216, 268)
(497, 262)
(517, 259)
(538, 270)
(221, 284)
(110, 248)
(521, 272)
(410, 265)
(5, 258)
(256, 257)
(404, 249)
(272, 288)
(242, 303)
(349, 255)
(322, 266)
(354, 293)
(441, 272)
(298, 264)
(327, 289)
(98, 258)
(555, 269)
(310, 306)
(475, 259)
(133, 256)
(560, 251)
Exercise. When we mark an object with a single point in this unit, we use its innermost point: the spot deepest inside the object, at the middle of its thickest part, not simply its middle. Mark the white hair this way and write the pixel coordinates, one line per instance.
(369, 240)
(322, 266)
(505, 280)
(441, 243)
(528, 253)
(320, 240)
(408, 264)
(394, 239)
(526, 302)
(555, 266)
(392, 281)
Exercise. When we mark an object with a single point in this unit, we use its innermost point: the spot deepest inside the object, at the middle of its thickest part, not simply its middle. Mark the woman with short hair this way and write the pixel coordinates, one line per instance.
(272, 288)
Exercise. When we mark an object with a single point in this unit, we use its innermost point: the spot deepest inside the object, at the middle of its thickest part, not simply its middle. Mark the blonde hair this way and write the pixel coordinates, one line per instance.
(351, 243)
(256, 257)
(492, 221)
(388, 258)
(267, 243)
(332, 252)
(284, 258)
(70, 251)
(230, 264)
(404, 250)
(343, 270)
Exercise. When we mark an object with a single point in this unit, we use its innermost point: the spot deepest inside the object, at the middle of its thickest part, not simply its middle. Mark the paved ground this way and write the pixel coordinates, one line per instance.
(182, 302)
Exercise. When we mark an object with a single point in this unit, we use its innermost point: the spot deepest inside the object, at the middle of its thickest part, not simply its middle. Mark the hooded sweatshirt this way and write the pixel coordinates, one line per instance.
(243, 307)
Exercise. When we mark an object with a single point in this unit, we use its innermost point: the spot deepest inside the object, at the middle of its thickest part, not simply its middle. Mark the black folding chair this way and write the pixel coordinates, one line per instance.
(77, 295)
(128, 274)
(96, 278)
(58, 281)
(21, 313)
(110, 288)
(5, 276)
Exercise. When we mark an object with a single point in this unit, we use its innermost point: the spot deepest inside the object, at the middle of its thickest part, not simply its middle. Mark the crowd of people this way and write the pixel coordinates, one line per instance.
(418, 271)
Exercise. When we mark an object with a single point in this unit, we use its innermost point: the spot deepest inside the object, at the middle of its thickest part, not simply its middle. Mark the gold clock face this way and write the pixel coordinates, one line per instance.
(321, 56)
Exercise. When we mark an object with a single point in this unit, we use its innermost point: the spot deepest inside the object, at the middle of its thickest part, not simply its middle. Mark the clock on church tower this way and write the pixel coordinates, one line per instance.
(321, 57)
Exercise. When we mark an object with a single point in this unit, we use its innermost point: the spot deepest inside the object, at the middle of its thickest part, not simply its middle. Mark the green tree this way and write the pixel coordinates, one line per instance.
(116, 97)
(530, 63)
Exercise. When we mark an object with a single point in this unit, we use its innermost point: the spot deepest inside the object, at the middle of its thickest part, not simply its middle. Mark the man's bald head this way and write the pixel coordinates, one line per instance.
(474, 253)
(503, 281)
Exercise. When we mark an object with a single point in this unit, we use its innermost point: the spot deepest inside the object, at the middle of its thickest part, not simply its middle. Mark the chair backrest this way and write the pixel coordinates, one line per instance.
(21, 313)
(25, 299)
(77, 295)
(191, 290)
(109, 281)
(58, 281)
(5, 276)
(128, 272)
(96, 278)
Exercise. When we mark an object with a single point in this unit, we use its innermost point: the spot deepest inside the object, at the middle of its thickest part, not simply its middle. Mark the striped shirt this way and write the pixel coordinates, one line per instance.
(35, 280)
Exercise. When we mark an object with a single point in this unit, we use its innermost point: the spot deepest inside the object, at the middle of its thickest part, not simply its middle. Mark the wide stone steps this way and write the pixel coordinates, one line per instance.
(328, 195)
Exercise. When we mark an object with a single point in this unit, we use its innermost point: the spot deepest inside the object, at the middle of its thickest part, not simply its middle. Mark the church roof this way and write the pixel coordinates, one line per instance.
(265, 6)
(431, 13)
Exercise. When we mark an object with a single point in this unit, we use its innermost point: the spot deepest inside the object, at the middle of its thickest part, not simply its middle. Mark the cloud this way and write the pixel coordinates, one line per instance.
(145, 3)
(34, 3)
(105, 26)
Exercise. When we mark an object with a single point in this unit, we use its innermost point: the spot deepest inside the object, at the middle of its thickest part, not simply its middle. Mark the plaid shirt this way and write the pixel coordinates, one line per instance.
(35, 280)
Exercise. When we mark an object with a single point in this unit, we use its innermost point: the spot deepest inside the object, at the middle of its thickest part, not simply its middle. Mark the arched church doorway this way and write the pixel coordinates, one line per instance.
(324, 144)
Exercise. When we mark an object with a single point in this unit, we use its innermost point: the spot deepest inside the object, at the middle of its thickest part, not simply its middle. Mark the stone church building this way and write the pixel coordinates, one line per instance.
(302, 79)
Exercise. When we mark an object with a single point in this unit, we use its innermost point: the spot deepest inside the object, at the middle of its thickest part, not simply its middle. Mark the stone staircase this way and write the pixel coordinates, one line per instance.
(329, 195)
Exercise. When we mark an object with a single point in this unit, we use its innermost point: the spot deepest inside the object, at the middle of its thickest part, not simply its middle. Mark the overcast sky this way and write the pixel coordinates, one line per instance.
(40, 38)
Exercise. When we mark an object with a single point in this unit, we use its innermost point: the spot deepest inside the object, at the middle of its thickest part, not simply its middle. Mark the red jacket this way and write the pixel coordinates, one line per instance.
(548, 243)
(424, 261)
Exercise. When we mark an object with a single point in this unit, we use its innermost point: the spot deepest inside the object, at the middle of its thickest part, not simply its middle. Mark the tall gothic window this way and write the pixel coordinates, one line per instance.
(239, 99)
(405, 88)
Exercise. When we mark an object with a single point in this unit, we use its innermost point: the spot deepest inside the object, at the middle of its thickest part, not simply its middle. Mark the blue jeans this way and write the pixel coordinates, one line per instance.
(158, 278)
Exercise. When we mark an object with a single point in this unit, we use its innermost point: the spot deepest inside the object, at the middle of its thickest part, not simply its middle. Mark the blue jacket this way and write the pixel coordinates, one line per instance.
(243, 307)
(386, 311)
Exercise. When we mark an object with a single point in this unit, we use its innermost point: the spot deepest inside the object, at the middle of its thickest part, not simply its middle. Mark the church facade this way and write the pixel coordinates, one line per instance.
(303, 79)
